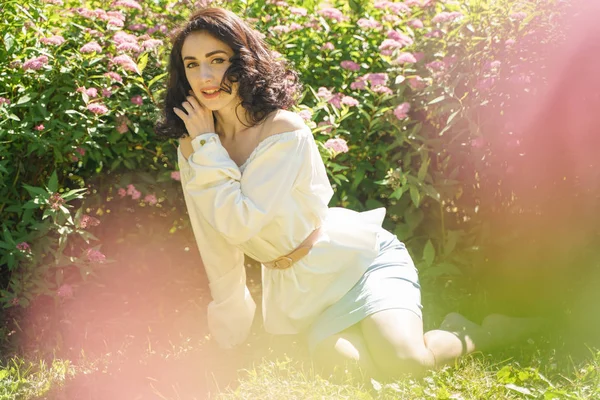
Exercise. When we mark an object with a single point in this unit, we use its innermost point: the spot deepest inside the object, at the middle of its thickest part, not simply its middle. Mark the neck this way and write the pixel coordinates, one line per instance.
(227, 123)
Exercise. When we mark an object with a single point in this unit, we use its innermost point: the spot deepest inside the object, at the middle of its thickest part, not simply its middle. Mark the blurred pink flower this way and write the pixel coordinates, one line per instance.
(332, 13)
(377, 78)
(280, 29)
(80, 150)
(122, 192)
(327, 46)
(382, 89)
(405, 58)
(127, 4)
(121, 37)
(510, 42)
(415, 23)
(92, 92)
(88, 220)
(39, 127)
(114, 76)
(359, 84)
(337, 145)
(336, 100)
(136, 194)
(24, 246)
(446, 17)
(137, 100)
(65, 291)
(74, 158)
(115, 22)
(349, 101)
(91, 47)
(417, 83)
(151, 43)
(435, 65)
(350, 65)
(55, 40)
(298, 11)
(370, 23)
(176, 175)
(137, 27)
(35, 63)
(126, 62)
(122, 128)
(95, 256)
(4, 100)
(126, 46)
(130, 189)
(97, 108)
(400, 37)
(401, 111)
(106, 92)
(55, 2)
(324, 93)
(388, 46)
(56, 201)
(151, 199)
(305, 114)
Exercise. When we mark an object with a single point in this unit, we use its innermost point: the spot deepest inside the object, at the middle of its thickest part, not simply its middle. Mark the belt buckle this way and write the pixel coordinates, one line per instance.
(283, 262)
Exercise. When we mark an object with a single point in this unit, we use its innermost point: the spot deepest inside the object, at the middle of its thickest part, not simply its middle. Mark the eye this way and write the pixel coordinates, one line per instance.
(215, 59)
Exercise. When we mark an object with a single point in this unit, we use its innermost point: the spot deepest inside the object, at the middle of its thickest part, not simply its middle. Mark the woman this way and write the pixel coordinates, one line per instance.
(254, 183)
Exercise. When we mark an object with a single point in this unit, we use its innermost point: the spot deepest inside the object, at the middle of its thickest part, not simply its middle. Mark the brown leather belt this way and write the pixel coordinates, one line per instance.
(288, 260)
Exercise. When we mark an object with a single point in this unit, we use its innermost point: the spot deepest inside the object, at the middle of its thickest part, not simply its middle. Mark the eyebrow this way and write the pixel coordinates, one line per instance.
(207, 55)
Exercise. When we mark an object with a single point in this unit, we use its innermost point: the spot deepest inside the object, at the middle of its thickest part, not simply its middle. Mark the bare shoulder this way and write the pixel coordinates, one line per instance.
(282, 121)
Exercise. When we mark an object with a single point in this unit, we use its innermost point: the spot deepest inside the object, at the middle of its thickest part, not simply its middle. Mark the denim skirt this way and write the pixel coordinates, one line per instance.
(391, 281)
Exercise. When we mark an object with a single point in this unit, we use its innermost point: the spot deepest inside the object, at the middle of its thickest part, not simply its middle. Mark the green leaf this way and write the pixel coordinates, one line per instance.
(428, 253)
(156, 79)
(9, 41)
(437, 99)
(24, 99)
(143, 62)
(415, 196)
(53, 182)
(35, 191)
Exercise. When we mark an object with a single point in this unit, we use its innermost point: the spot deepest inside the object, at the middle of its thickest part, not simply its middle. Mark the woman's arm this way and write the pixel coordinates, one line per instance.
(185, 146)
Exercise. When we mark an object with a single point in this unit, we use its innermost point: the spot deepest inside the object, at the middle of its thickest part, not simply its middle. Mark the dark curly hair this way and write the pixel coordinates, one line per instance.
(265, 84)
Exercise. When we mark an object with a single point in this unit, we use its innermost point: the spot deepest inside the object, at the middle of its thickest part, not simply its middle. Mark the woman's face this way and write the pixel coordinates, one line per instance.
(205, 60)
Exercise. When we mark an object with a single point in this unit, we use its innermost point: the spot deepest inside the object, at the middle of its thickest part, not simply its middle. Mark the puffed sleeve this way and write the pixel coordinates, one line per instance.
(232, 309)
(239, 206)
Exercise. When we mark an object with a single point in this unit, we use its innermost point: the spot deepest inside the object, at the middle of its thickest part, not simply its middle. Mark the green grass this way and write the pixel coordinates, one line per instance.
(24, 380)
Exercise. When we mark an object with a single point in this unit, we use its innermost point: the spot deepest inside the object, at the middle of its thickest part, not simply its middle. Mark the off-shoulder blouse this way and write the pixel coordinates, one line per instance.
(265, 208)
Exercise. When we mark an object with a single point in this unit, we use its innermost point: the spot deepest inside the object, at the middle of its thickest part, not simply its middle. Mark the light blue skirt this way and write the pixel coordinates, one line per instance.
(391, 281)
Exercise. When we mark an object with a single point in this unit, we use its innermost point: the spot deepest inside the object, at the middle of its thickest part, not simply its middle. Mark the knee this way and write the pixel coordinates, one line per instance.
(415, 360)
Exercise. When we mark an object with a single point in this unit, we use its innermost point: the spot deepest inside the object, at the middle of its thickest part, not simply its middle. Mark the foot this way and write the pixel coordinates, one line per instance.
(506, 330)
(473, 336)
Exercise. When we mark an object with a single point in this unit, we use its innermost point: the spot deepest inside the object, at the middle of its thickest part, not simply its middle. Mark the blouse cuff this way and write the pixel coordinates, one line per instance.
(201, 140)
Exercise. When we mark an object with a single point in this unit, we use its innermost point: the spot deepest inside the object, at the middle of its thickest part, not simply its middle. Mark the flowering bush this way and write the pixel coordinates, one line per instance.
(402, 109)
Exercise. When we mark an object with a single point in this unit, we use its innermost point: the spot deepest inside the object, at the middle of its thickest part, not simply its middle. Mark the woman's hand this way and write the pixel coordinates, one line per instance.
(198, 119)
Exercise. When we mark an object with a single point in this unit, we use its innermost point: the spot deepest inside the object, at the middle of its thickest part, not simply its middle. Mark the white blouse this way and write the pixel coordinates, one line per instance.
(265, 209)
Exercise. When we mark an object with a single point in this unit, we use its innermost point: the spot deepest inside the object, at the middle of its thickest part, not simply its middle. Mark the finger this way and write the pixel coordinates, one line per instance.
(188, 107)
(194, 102)
(179, 113)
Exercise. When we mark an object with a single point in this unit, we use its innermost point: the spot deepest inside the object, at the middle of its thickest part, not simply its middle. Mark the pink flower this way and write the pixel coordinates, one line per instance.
(379, 78)
(417, 83)
(510, 42)
(115, 22)
(337, 145)
(405, 58)
(130, 189)
(415, 23)
(336, 100)
(4, 100)
(106, 92)
(126, 62)
(446, 17)
(137, 27)
(134, 47)
(55, 2)
(280, 29)
(349, 101)
(39, 127)
(55, 40)
(35, 63)
(136, 194)
(114, 76)
(151, 199)
(324, 93)
(382, 89)
(401, 111)
(350, 65)
(122, 128)
(137, 100)
(332, 13)
(127, 4)
(74, 158)
(400, 37)
(298, 11)
(97, 108)
(176, 175)
(359, 84)
(151, 43)
(370, 23)
(327, 46)
(65, 291)
(95, 256)
(92, 92)
(388, 46)
(121, 37)
(91, 47)
(122, 192)
(56, 201)
(306, 115)
(435, 65)
(24, 246)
